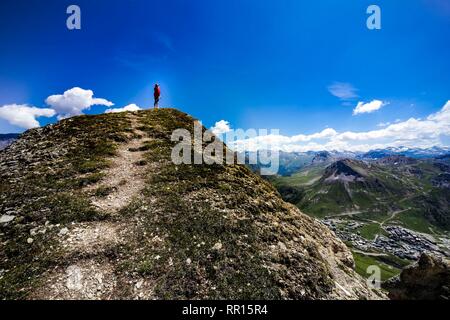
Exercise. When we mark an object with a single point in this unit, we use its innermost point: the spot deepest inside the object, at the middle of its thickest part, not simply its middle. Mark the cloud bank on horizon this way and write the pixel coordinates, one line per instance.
(433, 131)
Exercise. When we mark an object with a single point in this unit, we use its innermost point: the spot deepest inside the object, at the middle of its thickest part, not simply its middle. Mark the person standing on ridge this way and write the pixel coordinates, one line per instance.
(156, 95)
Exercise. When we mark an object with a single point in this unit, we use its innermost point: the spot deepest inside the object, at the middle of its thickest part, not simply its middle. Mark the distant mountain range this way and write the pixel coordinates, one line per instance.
(408, 152)
(292, 162)
(7, 139)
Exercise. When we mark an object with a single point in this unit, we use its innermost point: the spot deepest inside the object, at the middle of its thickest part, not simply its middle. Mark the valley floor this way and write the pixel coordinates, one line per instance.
(390, 246)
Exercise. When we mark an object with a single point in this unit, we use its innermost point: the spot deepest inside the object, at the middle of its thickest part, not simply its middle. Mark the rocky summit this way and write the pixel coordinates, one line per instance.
(93, 208)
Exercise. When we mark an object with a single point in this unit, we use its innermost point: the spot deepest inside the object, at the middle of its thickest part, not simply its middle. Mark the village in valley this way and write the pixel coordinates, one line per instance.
(396, 240)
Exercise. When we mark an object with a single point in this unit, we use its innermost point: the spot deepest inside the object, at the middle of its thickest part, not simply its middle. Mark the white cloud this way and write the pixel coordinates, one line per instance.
(130, 107)
(344, 91)
(434, 130)
(24, 116)
(443, 115)
(74, 101)
(221, 127)
(369, 107)
(326, 133)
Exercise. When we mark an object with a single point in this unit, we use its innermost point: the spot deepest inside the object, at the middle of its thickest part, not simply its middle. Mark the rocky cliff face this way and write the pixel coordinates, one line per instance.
(428, 279)
(93, 208)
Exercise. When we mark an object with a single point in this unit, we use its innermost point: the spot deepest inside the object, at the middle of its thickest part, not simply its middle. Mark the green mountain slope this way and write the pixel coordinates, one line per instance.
(418, 189)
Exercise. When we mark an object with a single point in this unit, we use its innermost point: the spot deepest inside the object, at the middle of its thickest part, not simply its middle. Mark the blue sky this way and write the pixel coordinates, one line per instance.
(253, 63)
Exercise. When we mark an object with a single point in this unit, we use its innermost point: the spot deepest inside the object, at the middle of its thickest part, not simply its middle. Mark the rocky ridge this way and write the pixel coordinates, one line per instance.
(185, 232)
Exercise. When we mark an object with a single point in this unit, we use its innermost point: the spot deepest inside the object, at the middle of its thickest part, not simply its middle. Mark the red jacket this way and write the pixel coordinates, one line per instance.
(157, 92)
